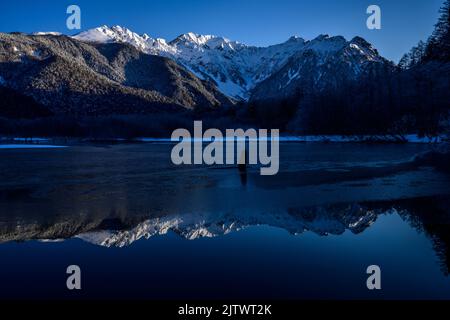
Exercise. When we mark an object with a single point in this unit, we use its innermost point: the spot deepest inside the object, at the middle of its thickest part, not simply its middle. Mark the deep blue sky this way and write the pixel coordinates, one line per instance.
(255, 22)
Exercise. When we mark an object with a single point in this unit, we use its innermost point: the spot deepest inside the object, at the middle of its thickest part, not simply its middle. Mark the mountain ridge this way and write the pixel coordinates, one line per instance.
(235, 68)
(73, 77)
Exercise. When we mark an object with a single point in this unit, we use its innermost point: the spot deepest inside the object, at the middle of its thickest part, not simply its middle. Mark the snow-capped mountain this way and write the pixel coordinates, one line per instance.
(235, 67)
(142, 42)
(47, 33)
(324, 63)
(322, 221)
(66, 76)
(109, 231)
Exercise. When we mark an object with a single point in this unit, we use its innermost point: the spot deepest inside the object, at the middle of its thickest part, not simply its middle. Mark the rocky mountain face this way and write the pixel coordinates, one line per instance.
(68, 76)
(242, 71)
(234, 67)
(324, 64)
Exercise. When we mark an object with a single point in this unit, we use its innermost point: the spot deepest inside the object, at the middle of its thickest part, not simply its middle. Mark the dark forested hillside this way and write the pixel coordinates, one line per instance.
(16, 105)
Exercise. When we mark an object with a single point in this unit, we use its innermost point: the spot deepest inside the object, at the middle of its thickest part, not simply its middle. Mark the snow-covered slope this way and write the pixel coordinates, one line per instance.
(69, 76)
(234, 67)
(324, 63)
(47, 33)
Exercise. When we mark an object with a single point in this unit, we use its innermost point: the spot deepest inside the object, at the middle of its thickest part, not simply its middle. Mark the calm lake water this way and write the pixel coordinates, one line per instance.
(140, 227)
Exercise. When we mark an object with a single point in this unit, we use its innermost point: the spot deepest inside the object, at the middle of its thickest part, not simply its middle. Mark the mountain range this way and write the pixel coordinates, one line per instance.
(112, 232)
(72, 77)
(112, 70)
(327, 85)
(238, 69)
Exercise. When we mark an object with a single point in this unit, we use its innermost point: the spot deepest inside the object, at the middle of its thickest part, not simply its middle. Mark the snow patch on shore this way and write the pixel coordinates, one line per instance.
(411, 138)
(29, 146)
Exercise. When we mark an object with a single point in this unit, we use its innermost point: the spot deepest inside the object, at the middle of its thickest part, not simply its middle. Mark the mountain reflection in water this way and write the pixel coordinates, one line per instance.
(428, 215)
(108, 198)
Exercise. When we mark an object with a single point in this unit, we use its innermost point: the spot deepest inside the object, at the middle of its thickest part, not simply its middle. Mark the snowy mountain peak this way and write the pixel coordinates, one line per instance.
(105, 34)
(194, 40)
(47, 33)
(363, 48)
(325, 43)
(360, 41)
(321, 37)
(322, 63)
(235, 68)
(295, 39)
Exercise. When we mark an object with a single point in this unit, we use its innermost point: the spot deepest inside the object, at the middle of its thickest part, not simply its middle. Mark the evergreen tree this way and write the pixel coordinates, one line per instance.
(405, 61)
(438, 46)
(414, 57)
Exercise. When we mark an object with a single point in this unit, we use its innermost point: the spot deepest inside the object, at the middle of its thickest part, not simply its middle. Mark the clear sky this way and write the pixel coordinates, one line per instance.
(254, 22)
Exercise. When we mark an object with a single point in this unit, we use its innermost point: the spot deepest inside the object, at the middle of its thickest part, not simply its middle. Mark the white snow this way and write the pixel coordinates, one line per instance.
(95, 237)
(49, 33)
(95, 35)
(232, 89)
(292, 75)
(29, 146)
(354, 46)
(366, 51)
(31, 139)
(410, 138)
(107, 34)
(36, 53)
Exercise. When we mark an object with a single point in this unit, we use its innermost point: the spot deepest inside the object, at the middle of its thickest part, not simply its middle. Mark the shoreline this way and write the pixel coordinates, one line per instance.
(409, 138)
